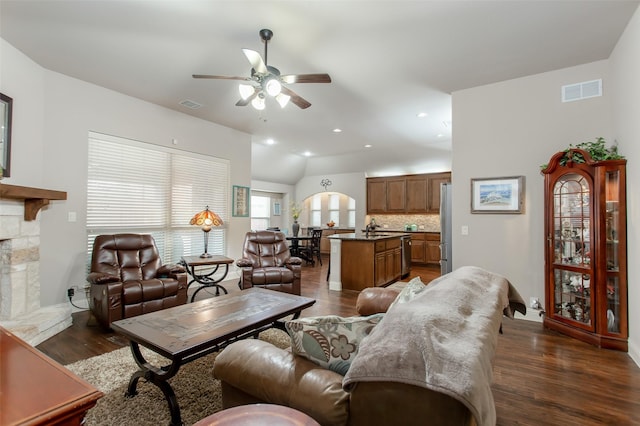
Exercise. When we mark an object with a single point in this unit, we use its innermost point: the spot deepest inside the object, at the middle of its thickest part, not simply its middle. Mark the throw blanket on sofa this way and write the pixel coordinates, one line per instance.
(443, 339)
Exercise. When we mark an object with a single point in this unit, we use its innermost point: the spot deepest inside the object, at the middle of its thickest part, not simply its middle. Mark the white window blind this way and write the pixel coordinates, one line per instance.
(260, 212)
(351, 213)
(134, 187)
(334, 208)
(316, 210)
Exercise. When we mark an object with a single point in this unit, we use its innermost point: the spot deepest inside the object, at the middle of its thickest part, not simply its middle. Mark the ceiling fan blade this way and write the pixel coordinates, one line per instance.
(295, 98)
(256, 61)
(306, 78)
(222, 77)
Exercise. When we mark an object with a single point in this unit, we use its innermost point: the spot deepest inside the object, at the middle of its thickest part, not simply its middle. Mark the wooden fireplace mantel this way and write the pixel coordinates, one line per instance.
(34, 198)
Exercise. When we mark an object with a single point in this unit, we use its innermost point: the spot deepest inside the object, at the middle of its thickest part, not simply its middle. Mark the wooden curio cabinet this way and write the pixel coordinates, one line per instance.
(585, 250)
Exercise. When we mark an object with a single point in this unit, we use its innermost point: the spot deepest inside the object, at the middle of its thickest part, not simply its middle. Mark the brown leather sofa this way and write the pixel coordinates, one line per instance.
(253, 371)
(266, 262)
(127, 278)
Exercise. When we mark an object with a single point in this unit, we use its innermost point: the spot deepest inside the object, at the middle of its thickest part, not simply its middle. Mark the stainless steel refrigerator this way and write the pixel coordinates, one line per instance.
(445, 228)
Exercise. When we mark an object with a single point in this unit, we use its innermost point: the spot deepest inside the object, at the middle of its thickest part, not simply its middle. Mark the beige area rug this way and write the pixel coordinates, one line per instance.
(198, 393)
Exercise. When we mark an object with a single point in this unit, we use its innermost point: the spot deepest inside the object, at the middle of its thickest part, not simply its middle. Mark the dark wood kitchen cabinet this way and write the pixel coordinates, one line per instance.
(409, 194)
(585, 250)
(376, 195)
(433, 200)
(425, 248)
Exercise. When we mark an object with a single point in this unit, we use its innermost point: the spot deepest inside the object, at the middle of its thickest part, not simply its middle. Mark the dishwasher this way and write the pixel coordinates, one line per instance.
(405, 244)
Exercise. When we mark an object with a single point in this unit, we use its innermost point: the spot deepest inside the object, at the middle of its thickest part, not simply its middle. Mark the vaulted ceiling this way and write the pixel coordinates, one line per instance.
(388, 60)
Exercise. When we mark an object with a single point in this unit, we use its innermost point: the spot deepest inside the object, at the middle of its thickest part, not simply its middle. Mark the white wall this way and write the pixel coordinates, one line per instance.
(625, 69)
(509, 129)
(52, 118)
(352, 184)
(23, 80)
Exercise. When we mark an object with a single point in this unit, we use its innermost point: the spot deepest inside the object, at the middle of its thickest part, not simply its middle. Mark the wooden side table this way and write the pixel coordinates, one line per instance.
(36, 390)
(258, 415)
(206, 279)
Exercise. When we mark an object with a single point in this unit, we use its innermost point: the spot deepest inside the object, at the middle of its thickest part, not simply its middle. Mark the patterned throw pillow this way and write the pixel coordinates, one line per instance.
(330, 341)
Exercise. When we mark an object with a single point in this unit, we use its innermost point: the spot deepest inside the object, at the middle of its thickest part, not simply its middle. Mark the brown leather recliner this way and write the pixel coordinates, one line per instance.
(127, 278)
(266, 262)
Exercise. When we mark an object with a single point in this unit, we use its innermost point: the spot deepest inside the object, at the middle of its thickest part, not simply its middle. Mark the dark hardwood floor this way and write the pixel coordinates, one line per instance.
(540, 377)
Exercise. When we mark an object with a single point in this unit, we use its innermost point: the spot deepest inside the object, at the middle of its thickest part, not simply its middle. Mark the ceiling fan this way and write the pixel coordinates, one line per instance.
(266, 80)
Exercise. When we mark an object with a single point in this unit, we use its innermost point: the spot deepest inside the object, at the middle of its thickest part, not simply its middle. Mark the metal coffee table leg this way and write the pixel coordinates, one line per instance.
(157, 376)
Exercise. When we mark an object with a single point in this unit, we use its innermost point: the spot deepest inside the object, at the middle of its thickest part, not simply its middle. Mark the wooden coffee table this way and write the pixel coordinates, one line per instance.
(187, 332)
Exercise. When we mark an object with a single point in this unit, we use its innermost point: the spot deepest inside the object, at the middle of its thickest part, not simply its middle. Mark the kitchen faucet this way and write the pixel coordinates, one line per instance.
(371, 226)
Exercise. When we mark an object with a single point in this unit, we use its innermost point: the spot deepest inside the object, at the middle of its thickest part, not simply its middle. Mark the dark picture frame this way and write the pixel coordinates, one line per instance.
(501, 195)
(6, 115)
(241, 201)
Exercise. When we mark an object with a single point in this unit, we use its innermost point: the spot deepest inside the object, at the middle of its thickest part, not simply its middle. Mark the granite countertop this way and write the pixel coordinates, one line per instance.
(373, 236)
(419, 231)
(337, 228)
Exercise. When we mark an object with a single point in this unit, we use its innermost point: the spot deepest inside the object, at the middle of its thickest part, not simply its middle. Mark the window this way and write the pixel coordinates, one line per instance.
(351, 210)
(316, 210)
(142, 188)
(260, 212)
(334, 208)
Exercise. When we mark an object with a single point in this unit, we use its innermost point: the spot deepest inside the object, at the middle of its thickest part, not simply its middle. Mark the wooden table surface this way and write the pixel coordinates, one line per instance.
(35, 390)
(258, 415)
(185, 330)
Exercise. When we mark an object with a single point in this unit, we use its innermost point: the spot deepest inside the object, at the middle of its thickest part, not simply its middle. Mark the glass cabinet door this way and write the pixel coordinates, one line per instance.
(572, 229)
(612, 191)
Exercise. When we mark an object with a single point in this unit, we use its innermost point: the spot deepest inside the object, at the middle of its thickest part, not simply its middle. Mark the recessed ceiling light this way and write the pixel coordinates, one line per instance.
(337, 130)
(307, 154)
(270, 141)
(367, 146)
(440, 135)
(422, 114)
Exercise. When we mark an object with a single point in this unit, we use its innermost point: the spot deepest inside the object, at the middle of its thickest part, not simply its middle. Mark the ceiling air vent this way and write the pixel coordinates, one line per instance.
(190, 104)
(579, 91)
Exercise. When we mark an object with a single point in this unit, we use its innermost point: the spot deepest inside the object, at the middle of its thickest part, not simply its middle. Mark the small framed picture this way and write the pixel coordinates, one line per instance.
(277, 208)
(497, 195)
(241, 199)
(5, 135)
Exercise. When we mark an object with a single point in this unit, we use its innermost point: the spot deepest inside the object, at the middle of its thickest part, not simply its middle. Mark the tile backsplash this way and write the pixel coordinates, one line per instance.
(425, 222)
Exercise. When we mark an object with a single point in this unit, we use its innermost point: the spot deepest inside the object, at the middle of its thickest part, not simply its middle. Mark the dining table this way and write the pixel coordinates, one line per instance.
(299, 250)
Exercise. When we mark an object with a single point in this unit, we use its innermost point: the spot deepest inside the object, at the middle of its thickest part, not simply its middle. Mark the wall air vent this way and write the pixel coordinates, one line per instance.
(579, 91)
(190, 104)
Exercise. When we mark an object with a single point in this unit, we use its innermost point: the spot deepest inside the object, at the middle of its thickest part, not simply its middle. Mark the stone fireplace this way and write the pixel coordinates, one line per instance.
(20, 310)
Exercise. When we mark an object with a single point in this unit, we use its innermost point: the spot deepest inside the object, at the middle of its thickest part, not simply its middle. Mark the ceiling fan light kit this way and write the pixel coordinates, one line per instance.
(258, 102)
(266, 80)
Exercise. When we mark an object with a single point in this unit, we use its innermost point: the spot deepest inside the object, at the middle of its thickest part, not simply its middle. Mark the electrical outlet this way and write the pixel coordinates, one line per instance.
(70, 292)
(534, 303)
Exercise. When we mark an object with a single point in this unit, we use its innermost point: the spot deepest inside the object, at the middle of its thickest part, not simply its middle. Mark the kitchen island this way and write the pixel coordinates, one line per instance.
(360, 260)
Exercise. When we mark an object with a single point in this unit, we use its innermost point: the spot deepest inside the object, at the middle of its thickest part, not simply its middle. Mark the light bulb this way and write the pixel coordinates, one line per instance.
(273, 87)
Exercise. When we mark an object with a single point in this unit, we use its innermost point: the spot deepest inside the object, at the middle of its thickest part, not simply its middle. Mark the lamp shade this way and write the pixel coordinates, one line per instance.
(246, 91)
(258, 102)
(206, 219)
(282, 99)
(272, 86)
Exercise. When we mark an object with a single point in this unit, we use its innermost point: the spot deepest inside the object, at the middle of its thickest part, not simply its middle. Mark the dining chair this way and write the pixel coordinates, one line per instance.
(313, 247)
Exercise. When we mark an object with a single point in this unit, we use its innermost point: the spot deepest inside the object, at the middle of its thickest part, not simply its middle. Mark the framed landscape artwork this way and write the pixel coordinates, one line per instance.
(497, 195)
